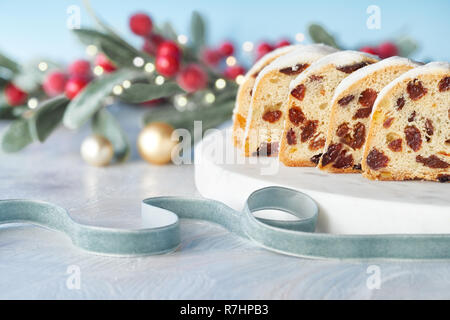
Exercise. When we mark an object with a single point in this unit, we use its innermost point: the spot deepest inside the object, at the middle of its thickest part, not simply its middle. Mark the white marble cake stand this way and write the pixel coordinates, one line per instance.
(349, 203)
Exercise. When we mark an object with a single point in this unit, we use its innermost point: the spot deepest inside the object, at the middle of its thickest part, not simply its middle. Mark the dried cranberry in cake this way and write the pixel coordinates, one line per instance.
(412, 117)
(433, 162)
(316, 158)
(315, 78)
(299, 92)
(362, 113)
(367, 98)
(291, 137)
(413, 138)
(353, 67)
(444, 84)
(377, 159)
(359, 135)
(416, 89)
(272, 116)
(388, 122)
(308, 130)
(316, 144)
(346, 100)
(429, 129)
(444, 178)
(343, 161)
(400, 103)
(331, 154)
(296, 115)
(342, 130)
(267, 149)
(395, 145)
(297, 69)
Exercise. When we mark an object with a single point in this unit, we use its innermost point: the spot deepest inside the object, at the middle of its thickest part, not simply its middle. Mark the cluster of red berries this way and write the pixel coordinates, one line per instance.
(384, 50)
(168, 55)
(264, 47)
(214, 56)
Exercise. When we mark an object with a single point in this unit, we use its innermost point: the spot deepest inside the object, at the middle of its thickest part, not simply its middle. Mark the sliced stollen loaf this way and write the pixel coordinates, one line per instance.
(308, 109)
(351, 107)
(266, 115)
(244, 94)
(409, 135)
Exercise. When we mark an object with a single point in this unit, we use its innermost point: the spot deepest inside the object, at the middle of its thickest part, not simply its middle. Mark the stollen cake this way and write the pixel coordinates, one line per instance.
(245, 91)
(409, 135)
(351, 107)
(308, 108)
(266, 115)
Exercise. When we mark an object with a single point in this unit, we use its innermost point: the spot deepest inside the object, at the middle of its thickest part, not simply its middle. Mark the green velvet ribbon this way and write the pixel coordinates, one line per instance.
(295, 238)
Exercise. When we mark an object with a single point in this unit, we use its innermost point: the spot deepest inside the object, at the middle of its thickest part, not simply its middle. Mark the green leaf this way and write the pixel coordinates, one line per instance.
(30, 77)
(142, 92)
(89, 101)
(106, 125)
(319, 35)
(9, 64)
(168, 32)
(47, 118)
(120, 54)
(17, 136)
(198, 31)
(406, 46)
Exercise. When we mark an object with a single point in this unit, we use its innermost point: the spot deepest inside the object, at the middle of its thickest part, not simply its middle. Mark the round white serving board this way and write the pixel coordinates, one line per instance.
(349, 203)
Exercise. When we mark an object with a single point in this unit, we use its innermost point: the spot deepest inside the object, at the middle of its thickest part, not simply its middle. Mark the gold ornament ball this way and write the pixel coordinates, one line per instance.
(97, 151)
(155, 144)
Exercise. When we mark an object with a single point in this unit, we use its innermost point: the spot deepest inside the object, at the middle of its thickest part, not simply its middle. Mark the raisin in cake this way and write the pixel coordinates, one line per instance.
(244, 94)
(266, 115)
(351, 108)
(409, 135)
(308, 107)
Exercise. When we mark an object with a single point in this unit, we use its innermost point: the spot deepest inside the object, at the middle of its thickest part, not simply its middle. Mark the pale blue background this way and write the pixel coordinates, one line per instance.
(38, 28)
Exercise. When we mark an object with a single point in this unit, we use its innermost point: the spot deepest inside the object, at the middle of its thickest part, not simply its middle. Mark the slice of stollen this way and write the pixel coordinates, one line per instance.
(244, 95)
(308, 108)
(351, 108)
(409, 135)
(266, 115)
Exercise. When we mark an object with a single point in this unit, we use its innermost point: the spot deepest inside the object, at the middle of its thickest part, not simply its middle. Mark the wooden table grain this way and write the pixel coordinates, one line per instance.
(37, 263)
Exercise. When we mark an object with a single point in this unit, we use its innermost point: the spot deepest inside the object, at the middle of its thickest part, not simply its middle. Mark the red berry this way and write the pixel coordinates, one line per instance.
(168, 66)
(387, 49)
(14, 95)
(368, 49)
(283, 43)
(141, 24)
(233, 72)
(54, 83)
(211, 57)
(102, 61)
(151, 103)
(168, 48)
(192, 78)
(80, 68)
(74, 86)
(151, 43)
(263, 49)
(226, 49)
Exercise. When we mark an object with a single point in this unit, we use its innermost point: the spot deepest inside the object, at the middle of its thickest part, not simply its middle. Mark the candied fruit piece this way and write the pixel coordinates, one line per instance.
(241, 121)
(412, 117)
(400, 103)
(331, 154)
(388, 122)
(267, 149)
(342, 130)
(343, 161)
(413, 138)
(416, 90)
(377, 159)
(429, 128)
(296, 115)
(272, 116)
(316, 144)
(315, 77)
(444, 178)
(362, 113)
(316, 158)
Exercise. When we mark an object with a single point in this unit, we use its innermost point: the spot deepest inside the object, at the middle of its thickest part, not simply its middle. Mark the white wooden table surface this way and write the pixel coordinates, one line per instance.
(211, 264)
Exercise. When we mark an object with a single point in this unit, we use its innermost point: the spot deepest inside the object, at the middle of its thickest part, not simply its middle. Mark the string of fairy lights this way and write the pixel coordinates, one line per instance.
(181, 101)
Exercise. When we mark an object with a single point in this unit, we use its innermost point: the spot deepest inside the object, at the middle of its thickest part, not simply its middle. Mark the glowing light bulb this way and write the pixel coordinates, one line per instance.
(221, 84)
(248, 46)
(43, 66)
(160, 80)
(138, 62)
(98, 71)
(240, 79)
(117, 90)
(210, 98)
(126, 84)
(182, 39)
(149, 67)
(91, 50)
(33, 103)
(231, 61)
(300, 37)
